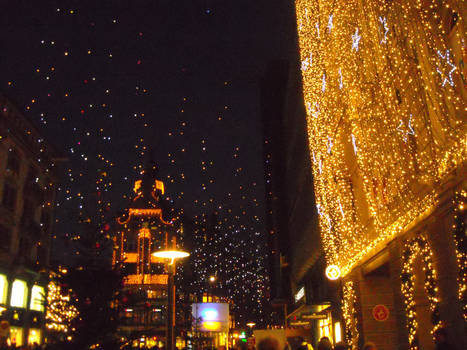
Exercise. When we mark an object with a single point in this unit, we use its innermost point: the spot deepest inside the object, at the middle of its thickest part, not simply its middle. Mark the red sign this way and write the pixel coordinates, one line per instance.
(380, 313)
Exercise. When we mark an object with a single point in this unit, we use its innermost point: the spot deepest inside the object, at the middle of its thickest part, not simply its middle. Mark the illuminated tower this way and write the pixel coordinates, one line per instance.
(144, 230)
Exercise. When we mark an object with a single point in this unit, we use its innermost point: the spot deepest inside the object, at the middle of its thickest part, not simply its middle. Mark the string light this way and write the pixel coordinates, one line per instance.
(418, 247)
(460, 239)
(406, 130)
(446, 76)
(378, 184)
(355, 40)
(384, 29)
(350, 314)
(60, 311)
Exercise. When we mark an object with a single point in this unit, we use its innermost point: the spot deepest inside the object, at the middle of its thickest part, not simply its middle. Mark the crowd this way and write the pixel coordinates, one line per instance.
(270, 343)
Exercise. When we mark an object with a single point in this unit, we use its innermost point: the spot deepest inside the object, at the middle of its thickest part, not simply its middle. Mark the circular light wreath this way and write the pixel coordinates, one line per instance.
(415, 247)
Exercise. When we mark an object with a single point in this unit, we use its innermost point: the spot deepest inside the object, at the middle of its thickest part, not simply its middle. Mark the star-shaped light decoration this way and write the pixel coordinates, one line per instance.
(341, 83)
(354, 143)
(355, 40)
(317, 28)
(384, 30)
(323, 82)
(329, 145)
(329, 223)
(318, 209)
(340, 207)
(406, 130)
(330, 25)
(447, 69)
(316, 111)
(307, 62)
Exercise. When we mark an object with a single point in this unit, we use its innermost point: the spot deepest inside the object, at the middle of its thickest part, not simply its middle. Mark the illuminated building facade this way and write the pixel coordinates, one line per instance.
(144, 230)
(27, 195)
(384, 92)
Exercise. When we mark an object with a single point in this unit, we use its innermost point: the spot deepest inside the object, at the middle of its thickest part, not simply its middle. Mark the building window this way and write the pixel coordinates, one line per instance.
(337, 332)
(45, 220)
(325, 325)
(34, 336)
(13, 162)
(325, 328)
(19, 294)
(33, 177)
(37, 298)
(9, 197)
(29, 211)
(5, 237)
(16, 336)
(3, 289)
(25, 247)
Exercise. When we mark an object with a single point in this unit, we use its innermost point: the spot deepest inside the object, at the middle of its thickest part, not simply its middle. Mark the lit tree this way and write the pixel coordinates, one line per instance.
(61, 313)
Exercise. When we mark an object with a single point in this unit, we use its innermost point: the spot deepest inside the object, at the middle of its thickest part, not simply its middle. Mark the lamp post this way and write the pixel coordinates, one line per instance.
(172, 255)
(250, 325)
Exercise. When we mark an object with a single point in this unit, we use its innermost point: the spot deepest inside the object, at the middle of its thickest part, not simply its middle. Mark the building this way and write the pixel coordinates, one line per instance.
(144, 229)
(273, 87)
(27, 195)
(304, 301)
(384, 91)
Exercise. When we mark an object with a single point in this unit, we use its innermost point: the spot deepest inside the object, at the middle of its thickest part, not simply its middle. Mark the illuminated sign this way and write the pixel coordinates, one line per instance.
(145, 279)
(300, 294)
(333, 272)
(380, 313)
(211, 317)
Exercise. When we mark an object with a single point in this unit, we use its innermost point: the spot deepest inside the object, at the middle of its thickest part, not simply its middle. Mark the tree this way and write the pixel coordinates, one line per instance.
(96, 286)
(61, 313)
(96, 290)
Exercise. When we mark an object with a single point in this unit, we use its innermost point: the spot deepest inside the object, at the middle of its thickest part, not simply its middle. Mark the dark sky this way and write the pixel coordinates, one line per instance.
(179, 77)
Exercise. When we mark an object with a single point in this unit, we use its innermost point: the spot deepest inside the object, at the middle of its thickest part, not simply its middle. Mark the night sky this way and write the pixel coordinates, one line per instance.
(108, 81)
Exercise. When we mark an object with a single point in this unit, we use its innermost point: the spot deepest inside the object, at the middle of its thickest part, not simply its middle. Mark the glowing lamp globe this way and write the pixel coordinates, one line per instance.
(171, 254)
(333, 272)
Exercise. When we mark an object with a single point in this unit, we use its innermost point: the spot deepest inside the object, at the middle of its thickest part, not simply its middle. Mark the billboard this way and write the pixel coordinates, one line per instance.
(210, 317)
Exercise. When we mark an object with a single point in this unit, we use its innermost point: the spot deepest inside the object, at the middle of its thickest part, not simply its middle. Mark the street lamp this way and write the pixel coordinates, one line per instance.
(250, 325)
(171, 254)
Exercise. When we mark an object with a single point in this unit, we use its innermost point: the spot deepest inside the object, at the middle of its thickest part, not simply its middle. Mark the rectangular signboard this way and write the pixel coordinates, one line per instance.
(210, 317)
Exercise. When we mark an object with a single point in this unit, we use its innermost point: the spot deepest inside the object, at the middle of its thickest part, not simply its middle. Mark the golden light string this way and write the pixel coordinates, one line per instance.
(418, 247)
(349, 301)
(383, 130)
(459, 234)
